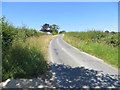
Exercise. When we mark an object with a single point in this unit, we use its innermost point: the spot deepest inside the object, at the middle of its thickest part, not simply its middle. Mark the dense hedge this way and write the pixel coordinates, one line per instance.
(109, 38)
(11, 34)
(14, 55)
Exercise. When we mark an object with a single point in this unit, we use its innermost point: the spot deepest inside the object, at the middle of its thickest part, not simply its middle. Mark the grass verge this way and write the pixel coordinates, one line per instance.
(26, 59)
(108, 53)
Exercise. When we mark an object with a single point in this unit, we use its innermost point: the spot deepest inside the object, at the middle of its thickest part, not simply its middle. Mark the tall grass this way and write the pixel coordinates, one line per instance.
(27, 58)
(100, 49)
(24, 51)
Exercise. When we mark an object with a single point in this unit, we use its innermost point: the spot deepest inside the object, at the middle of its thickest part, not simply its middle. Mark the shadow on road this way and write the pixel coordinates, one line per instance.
(68, 77)
(62, 76)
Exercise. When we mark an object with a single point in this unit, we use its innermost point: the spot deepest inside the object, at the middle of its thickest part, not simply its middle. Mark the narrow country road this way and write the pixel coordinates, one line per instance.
(70, 68)
(62, 53)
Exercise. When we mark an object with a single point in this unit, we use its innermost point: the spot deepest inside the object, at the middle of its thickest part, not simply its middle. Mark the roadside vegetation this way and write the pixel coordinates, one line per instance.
(53, 29)
(24, 51)
(103, 45)
(62, 32)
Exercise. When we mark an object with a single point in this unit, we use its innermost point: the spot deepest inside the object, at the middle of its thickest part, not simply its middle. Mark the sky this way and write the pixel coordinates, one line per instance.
(60, 0)
(70, 16)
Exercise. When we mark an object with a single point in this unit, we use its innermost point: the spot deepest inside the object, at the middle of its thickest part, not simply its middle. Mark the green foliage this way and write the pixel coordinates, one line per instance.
(107, 31)
(19, 60)
(10, 33)
(100, 44)
(23, 61)
(61, 32)
(54, 26)
(54, 31)
(97, 37)
(50, 28)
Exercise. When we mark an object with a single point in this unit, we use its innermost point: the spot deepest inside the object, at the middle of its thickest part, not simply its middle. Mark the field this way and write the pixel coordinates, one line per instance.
(103, 45)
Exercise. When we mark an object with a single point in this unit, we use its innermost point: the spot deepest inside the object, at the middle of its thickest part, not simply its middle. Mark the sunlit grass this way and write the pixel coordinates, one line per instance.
(27, 58)
(108, 53)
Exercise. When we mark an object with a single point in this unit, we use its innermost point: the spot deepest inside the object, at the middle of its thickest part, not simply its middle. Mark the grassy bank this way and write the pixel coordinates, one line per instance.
(93, 45)
(27, 58)
(24, 51)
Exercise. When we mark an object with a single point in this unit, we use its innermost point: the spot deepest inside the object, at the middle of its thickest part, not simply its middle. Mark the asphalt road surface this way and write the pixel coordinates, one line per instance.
(70, 68)
(61, 52)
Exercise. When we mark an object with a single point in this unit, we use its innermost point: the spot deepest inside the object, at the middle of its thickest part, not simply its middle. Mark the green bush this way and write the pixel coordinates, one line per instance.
(10, 33)
(97, 37)
(54, 31)
(18, 60)
(61, 32)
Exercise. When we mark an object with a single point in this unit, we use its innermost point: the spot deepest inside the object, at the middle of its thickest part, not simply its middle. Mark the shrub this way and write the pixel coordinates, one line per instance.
(54, 31)
(19, 59)
(10, 33)
(61, 32)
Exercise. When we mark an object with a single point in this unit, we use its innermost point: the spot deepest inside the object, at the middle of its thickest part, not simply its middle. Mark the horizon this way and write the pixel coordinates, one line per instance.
(70, 16)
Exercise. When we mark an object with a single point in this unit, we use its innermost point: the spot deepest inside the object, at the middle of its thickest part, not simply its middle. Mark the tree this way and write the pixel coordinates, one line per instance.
(107, 31)
(54, 29)
(61, 32)
(50, 28)
(113, 32)
(54, 26)
(45, 28)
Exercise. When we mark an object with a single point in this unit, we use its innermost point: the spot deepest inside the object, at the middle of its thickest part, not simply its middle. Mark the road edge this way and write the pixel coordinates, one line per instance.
(91, 55)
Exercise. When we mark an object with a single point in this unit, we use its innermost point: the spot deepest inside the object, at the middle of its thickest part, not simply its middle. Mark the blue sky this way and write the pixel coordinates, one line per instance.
(70, 16)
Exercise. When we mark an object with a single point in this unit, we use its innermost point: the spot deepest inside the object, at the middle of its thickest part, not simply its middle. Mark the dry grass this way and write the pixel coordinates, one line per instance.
(41, 43)
(27, 58)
